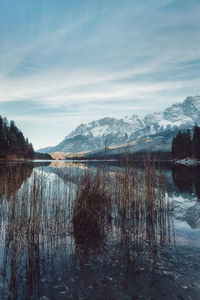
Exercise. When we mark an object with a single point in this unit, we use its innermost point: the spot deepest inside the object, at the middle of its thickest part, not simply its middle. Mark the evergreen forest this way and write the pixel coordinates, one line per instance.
(187, 144)
(13, 142)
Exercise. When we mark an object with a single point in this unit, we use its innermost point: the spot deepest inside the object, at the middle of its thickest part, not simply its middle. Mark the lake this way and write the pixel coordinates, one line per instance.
(99, 230)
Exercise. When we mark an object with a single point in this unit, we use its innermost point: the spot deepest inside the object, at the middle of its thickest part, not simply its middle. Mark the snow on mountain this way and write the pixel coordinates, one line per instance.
(106, 126)
(157, 127)
(186, 112)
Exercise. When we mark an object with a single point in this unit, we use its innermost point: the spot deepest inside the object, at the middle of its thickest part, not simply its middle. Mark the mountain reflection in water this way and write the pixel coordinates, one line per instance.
(149, 224)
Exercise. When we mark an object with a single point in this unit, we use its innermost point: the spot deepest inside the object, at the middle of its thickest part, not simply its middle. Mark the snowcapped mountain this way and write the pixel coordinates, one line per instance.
(157, 130)
(108, 126)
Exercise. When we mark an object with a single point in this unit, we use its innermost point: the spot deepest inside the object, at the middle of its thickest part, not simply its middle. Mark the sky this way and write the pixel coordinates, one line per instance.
(66, 62)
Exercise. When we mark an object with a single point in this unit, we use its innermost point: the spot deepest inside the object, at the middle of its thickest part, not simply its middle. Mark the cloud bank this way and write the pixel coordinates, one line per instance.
(65, 62)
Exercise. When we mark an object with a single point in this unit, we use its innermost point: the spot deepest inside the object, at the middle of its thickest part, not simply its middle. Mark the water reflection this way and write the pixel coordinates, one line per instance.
(187, 179)
(11, 178)
(45, 253)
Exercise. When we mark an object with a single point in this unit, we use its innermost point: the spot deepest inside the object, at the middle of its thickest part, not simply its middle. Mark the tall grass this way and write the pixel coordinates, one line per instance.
(41, 213)
(34, 219)
(133, 201)
(91, 207)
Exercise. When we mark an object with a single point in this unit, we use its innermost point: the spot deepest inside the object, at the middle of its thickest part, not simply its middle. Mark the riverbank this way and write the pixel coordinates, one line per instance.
(37, 156)
(188, 161)
(8, 158)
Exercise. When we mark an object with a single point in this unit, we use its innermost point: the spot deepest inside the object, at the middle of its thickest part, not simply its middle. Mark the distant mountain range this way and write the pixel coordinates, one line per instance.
(154, 131)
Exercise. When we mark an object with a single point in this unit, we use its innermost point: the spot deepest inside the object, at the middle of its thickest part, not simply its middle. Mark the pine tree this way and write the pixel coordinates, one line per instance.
(187, 144)
(183, 146)
(1, 136)
(13, 147)
(12, 141)
(196, 142)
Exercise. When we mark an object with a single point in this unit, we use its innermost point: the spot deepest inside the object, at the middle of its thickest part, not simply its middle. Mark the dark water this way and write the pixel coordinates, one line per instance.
(155, 259)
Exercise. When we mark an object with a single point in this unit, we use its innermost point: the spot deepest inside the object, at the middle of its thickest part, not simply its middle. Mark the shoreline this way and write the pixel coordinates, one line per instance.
(188, 162)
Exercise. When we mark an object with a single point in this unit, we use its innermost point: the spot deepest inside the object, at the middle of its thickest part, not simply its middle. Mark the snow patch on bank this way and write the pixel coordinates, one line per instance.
(188, 161)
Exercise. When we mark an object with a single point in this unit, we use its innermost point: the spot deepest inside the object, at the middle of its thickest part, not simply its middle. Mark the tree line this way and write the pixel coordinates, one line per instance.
(13, 142)
(187, 144)
(42, 156)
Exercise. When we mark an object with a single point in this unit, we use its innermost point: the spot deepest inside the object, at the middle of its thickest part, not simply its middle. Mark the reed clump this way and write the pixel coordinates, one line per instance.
(101, 206)
(143, 208)
(129, 200)
(90, 207)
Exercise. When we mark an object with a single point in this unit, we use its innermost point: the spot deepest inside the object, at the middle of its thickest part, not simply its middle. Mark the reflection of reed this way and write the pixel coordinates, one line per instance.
(36, 216)
(143, 209)
(127, 207)
(91, 212)
(133, 202)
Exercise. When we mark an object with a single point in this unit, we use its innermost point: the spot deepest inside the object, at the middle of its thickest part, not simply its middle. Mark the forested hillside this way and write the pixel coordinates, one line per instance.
(12, 141)
(186, 144)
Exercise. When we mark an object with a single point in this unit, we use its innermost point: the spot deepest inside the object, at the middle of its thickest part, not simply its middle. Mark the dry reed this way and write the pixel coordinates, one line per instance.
(40, 213)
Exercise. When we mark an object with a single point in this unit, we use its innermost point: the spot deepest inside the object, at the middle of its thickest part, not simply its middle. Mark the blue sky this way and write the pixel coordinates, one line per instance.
(64, 62)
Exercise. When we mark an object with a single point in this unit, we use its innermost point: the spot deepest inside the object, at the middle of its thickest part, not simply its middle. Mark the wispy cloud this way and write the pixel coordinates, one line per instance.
(70, 61)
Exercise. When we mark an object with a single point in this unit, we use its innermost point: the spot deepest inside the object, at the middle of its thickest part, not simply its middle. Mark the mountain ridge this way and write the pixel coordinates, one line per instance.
(159, 128)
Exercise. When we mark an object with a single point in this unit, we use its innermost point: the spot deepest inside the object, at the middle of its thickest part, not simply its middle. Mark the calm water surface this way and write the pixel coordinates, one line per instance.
(42, 257)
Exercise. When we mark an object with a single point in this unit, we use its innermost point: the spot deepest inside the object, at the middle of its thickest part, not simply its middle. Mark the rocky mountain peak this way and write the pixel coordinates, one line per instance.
(187, 111)
(112, 131)
(191, 107)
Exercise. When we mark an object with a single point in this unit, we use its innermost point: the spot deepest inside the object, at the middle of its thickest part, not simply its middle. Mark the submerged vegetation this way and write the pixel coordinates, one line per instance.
(90, 207)
(114, 218)
(129, 199)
